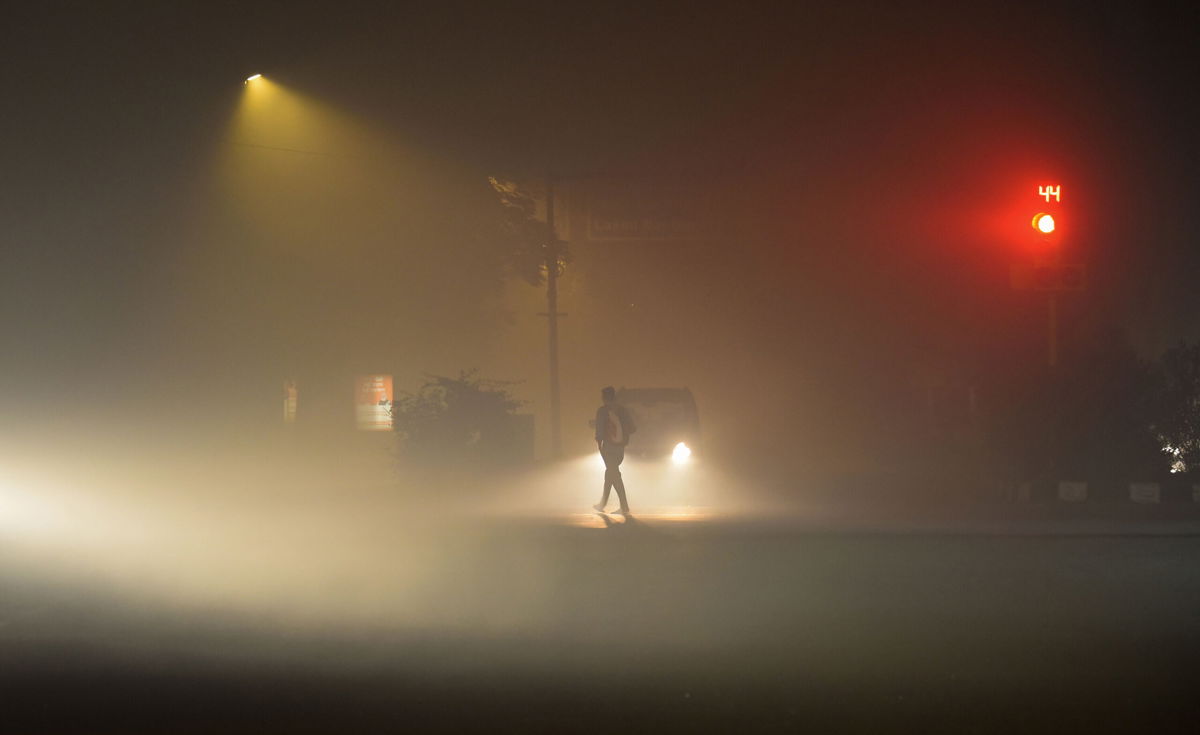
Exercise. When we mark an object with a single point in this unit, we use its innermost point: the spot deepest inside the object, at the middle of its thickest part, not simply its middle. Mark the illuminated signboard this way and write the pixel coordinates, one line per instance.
(373, 403)
(290, 400)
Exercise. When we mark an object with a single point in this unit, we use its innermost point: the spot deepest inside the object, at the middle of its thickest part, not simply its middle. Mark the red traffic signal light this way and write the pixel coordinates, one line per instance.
(1043, 223)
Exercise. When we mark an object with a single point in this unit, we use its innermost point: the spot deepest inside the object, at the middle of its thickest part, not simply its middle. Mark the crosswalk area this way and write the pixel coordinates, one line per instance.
(651, 517)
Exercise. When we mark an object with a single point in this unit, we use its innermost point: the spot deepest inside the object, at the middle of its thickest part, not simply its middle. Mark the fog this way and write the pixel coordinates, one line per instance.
(292, 585)
(856, 195)
(302, 535)
(806, 216)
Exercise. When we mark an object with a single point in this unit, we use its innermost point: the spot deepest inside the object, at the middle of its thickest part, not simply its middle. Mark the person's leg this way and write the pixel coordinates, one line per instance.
(619, 482)
(608, 483)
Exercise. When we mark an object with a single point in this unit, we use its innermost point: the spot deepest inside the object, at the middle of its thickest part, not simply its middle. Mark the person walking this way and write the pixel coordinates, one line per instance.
(613, 427)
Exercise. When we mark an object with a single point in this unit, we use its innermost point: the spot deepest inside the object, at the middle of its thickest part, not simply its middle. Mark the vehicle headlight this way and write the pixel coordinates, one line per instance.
(681, 454)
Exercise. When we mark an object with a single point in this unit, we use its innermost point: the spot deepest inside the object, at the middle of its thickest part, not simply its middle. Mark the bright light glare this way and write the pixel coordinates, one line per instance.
(1044, 223)
(26, 512)
(252, 77)
(681, 453)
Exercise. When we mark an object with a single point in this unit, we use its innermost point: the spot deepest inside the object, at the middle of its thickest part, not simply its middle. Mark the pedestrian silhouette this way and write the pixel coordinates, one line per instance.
(613, 427)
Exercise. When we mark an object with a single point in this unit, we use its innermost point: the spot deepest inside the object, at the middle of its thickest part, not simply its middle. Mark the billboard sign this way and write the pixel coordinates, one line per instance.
(373, 403)
(643, 212)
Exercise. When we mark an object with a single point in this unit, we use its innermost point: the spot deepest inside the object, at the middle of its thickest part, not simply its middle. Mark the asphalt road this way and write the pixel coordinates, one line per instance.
(250, 589)
(681, 620)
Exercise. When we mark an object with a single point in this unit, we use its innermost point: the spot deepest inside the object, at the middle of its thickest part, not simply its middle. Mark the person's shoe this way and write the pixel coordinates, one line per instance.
(599, 508)
(622, 511)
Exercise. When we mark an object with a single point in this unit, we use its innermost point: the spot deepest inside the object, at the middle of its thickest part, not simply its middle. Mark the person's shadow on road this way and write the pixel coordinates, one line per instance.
(629, 523)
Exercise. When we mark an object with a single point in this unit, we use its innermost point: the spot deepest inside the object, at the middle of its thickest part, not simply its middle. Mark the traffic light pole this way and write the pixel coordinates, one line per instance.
(1052, 330)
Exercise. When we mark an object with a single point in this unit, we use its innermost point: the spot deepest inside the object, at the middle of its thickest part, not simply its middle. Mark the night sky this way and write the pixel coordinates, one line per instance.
(867, 158)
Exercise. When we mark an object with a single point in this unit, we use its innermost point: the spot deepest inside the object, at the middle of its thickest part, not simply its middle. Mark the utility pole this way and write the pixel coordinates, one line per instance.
(553, 253)
(552, 258)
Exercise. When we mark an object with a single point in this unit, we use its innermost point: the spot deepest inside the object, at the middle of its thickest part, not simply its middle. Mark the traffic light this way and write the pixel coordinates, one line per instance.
(1047, 221)
(1046, 271)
